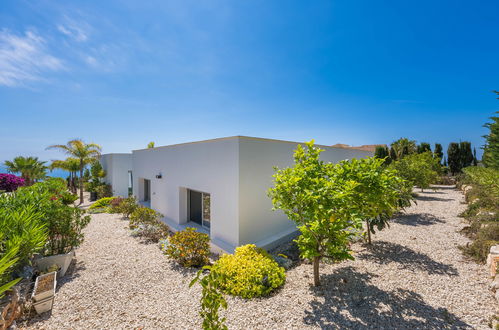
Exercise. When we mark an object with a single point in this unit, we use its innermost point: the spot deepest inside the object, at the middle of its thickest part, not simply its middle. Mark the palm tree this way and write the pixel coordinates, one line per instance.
(30, 168)
(71, 165)
(85, 153)
(403, 146)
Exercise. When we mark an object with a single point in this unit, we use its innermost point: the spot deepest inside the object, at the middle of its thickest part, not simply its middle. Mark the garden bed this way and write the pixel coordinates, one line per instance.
(414, 276)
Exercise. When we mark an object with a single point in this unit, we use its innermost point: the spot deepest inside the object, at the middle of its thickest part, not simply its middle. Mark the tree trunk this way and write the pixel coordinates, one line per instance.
(368, 232)
(81, 181)
(317, 281)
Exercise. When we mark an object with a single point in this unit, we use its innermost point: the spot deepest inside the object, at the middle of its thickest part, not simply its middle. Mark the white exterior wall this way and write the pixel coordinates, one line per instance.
(258, 224)
(236, 172)
(117, 167)
(210, 167)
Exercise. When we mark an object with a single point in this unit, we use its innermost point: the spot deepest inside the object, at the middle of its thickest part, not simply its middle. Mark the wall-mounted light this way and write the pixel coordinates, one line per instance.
(159, 176)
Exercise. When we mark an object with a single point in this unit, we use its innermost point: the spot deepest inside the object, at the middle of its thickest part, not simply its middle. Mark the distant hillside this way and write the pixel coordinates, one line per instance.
(365, 147)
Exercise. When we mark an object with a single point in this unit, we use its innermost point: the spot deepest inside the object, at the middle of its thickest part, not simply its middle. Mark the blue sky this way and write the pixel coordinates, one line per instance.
(123, 73)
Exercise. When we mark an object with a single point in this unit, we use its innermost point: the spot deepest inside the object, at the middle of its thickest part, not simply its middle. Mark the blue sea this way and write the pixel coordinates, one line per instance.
(57, 173)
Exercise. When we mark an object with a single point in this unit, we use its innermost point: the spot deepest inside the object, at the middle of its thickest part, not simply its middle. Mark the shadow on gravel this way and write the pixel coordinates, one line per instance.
(432, 199)
(73, 272)
(420, 219)
(347, 300)
(382, 252)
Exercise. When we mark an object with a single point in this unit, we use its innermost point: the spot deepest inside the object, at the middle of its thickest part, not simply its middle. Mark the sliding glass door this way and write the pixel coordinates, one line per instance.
(199, 208)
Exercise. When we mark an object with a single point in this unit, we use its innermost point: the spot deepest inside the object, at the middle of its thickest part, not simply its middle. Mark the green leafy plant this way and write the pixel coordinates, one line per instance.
(64, 223)
(7, 260)
(482, 196)
(377, 192)
(127, 206)
(418, 169)
(318, 198)
(249, 272)
(21, 224)
(144, 215)
(189, 248)
(212, 298)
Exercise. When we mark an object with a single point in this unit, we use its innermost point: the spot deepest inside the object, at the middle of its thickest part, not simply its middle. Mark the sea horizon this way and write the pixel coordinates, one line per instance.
(56, 173)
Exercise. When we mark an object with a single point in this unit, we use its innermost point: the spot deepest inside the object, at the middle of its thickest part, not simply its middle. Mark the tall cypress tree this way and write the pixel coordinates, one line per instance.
(382, 152)
(439, 154)
(465, 154)
(490, 155)
(423, 147)
(454, 158)
(475, 161)
(393, 154)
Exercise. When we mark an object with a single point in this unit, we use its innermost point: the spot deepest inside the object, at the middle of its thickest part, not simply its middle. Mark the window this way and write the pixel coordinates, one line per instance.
(206, 210)
(200, 208)
(130, 183)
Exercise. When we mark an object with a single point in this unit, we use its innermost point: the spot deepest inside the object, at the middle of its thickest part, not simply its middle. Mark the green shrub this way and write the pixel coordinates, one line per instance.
(189, 248)
(114, 206)
(127, 206)
(482, 211)
(487, 236)
(152, 232)
(419, 169)
(145, 222)
(104, 190)
(64, 223)
(249, 272)
(144, 215)
(7, 262)
(100, 203)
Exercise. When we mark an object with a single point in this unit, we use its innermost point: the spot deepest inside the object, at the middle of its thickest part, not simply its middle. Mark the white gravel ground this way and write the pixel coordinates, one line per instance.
(414, 276)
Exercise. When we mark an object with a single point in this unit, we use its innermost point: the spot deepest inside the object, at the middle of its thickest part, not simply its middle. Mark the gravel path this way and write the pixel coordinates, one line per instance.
(414, 276)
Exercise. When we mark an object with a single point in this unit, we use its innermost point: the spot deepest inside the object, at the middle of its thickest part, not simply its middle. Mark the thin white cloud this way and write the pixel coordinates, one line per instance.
(78, 31)
(92, 61)
(24, 58)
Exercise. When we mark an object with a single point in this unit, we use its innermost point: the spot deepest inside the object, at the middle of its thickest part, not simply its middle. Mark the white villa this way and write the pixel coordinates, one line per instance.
(218, 186)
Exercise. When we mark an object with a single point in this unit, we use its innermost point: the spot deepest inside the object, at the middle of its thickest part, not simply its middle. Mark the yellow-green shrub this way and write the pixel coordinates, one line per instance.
(249, 272)
(100, 203)
(189, 248)
(144, 216)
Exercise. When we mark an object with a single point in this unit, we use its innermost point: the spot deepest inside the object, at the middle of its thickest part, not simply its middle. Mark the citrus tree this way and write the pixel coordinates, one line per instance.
(319, 199)
(419, 169)
(377, 192)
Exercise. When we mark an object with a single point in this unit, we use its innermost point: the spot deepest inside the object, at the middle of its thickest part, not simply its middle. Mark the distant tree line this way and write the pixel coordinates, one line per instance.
(459, 155)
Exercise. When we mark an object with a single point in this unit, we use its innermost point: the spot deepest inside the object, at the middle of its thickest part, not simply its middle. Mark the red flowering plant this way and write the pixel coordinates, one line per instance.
(10, 182)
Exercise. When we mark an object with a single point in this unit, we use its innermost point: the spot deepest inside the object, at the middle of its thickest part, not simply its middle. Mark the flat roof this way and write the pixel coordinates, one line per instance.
(238, 137)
